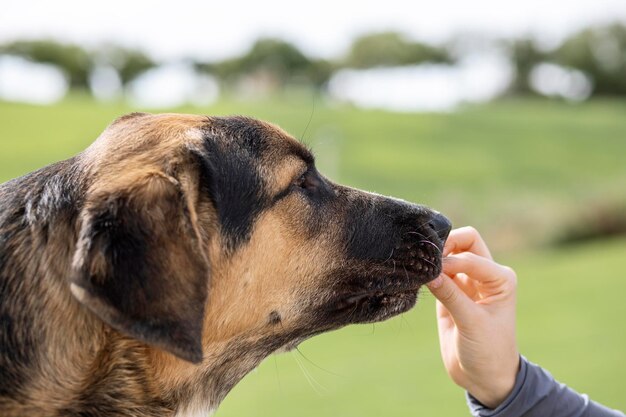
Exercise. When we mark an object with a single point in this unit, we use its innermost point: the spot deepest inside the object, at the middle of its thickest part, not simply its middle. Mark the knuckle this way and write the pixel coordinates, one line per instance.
(450, 296)
(510, 274)
(465, 256)
(471, 230)
(469, 259)
(510, 279)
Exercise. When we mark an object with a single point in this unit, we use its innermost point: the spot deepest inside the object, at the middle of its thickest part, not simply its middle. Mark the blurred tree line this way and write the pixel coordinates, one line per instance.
(78, 63)
(598, 52)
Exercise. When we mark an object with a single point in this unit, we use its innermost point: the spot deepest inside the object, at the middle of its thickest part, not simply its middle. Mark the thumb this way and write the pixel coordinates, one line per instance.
(452, 297)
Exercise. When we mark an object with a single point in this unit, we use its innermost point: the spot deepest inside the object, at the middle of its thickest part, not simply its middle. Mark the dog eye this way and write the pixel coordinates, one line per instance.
(307, 181)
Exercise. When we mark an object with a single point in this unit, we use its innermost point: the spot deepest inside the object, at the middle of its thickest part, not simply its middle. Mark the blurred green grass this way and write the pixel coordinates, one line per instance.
(518, 170)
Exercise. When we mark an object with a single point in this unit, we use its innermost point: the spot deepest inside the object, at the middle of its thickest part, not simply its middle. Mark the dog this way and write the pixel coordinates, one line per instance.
(150, 273)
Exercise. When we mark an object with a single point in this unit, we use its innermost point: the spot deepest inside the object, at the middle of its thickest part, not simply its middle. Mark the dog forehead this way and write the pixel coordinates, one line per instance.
(262, 146)
(256, 138)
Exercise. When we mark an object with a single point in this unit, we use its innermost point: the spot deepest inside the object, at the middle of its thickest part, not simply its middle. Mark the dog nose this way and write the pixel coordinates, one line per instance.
(441, 225)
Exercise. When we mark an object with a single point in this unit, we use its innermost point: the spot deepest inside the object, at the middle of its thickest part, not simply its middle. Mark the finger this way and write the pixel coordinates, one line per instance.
(452, 297)
(445, 326)
(466, 239)
(444, 318)
(468, 285)
(477, 268)
(442, 311)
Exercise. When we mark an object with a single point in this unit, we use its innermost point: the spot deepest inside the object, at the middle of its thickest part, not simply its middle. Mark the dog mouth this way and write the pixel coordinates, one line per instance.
(384, 292)
(377, 306)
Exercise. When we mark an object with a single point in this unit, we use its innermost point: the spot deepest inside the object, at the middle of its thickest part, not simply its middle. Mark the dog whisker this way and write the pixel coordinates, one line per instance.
(412, 232)
(280, 387)
(316, 365)
(317, 387)
(404, 320)
(310, 118)
(390, 256)
(433, 265)
(424, 240)
(431, 243)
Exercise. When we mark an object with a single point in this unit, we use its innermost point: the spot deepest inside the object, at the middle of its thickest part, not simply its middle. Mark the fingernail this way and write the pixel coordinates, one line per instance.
(436, 283)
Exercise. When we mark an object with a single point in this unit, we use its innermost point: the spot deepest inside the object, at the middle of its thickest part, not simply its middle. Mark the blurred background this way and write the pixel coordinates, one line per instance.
(510, 116)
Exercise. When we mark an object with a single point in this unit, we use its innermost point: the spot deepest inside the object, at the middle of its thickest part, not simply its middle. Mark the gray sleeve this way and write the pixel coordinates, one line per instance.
(537, 394)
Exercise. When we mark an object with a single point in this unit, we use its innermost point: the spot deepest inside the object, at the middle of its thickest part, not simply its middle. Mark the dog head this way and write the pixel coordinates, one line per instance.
(197, 230)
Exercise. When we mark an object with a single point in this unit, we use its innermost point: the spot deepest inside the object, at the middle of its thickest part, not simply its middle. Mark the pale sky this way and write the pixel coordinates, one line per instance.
(214, 29)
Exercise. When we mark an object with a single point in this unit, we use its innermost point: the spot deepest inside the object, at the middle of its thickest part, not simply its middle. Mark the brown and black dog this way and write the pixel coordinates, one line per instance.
(149, 274)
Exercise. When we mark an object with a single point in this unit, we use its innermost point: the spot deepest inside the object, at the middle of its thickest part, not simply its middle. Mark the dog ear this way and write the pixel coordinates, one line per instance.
(139, 265)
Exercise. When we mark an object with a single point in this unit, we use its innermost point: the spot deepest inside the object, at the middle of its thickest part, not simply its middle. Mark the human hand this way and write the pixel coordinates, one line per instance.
(476, 318)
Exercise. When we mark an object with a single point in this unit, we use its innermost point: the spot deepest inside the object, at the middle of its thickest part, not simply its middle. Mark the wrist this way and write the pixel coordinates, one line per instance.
(491, 392)
(491, 397)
